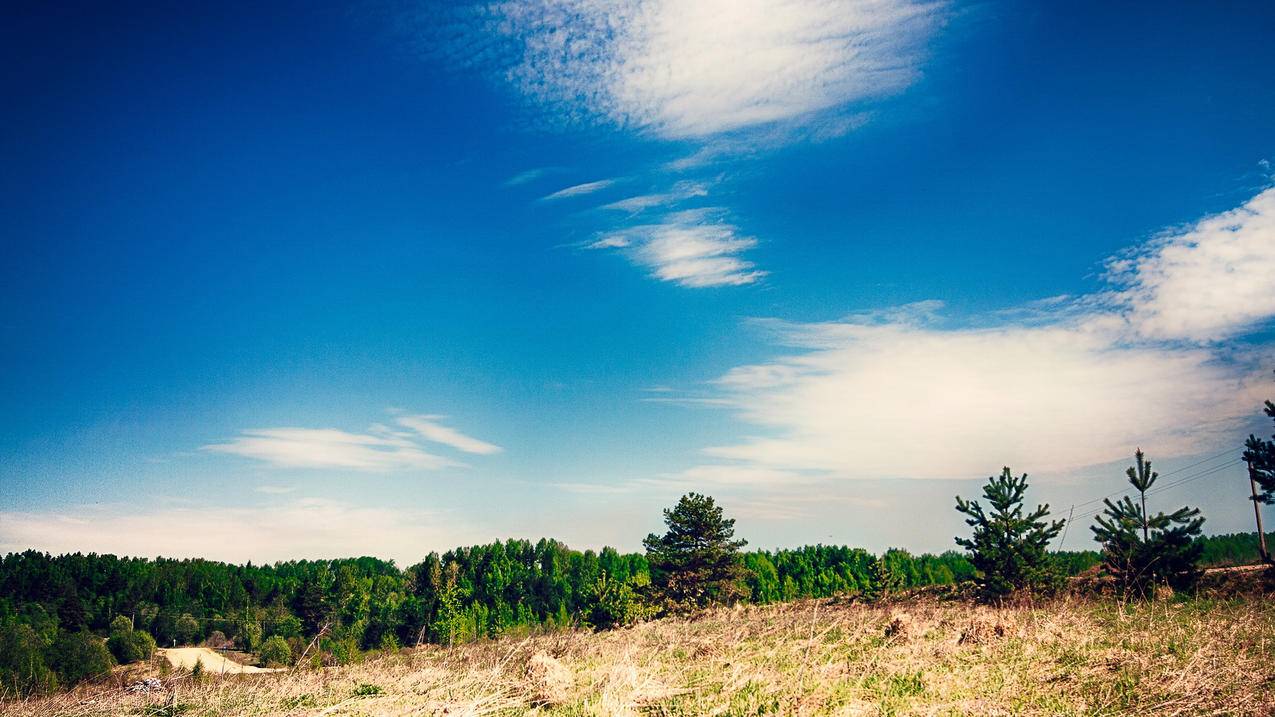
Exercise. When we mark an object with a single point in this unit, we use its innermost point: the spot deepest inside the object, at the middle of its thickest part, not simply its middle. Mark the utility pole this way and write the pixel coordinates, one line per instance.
(1257, 513)
(1066, 525)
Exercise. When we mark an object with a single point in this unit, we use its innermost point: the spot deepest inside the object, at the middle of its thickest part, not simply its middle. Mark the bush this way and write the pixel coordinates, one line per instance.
(78, 656)
(131, 646)
(22, 665)
(613, 603)
(275, 652)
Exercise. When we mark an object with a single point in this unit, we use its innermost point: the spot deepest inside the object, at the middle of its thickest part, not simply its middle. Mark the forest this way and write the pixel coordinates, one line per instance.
(54, 610)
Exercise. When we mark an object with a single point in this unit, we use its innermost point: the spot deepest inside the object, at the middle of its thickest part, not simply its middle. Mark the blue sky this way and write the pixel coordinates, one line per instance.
(384, 278)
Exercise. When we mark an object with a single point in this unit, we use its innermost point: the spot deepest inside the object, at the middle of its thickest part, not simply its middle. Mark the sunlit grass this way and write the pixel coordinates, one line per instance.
(922, 657)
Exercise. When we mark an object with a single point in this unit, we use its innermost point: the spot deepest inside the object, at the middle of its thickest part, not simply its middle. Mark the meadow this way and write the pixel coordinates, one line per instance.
(920, 655)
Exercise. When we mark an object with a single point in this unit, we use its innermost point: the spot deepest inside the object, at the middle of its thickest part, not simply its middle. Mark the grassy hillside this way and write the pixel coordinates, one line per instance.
(815, 657)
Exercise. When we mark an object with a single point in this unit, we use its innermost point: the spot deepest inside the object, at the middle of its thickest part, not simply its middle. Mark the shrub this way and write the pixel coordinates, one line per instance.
(613, 603)
(22, 664)
(78, 656)
(275, 652)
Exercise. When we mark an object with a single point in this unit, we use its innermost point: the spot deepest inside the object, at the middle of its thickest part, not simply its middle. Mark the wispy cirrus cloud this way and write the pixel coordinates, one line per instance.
(1079, 382)
(529, 175)
(578, 190)
(693, 248)
(275, 489)
(430, 428)
(680, 69)
(380, 449)
(680, 192)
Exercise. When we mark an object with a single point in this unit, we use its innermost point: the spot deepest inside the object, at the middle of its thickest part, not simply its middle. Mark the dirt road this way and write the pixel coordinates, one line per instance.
(184, 658)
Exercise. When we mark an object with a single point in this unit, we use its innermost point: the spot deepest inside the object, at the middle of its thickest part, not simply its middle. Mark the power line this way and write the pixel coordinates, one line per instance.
(1175, 471)
(1159, 489)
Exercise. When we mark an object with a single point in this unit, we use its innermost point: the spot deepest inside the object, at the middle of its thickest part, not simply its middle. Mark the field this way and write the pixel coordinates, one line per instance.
(923, 656)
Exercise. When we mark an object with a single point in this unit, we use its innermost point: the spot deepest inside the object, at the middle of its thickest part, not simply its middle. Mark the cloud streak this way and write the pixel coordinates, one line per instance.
(381, 449)
(693, 248)
(579, 190)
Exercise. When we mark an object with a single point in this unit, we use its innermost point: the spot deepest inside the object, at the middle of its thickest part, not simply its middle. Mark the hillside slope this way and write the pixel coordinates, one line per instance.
(808, 658)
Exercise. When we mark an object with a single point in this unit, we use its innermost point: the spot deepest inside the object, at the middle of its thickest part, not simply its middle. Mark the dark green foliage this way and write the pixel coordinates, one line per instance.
(1260, 454)
(23, 670)
(697, 562)
(1232, 549)
(275, 652)
(1142, 550)
(1009, 549)
(1075, 562)
(513, 586)
(128, 645)
(615, 603)
(79, 656)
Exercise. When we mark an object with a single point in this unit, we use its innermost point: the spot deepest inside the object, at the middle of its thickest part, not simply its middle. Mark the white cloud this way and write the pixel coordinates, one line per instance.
(1079, 383)
(692, 248)
(579, 189)
(1207, 282)
(692, 69)
(275, 489)
(680, 192)
(430, 429)
(529, 175)
(299, 529)
(380, 449)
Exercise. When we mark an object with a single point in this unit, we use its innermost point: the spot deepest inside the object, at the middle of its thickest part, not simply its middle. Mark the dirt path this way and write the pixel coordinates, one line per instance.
(184, 658)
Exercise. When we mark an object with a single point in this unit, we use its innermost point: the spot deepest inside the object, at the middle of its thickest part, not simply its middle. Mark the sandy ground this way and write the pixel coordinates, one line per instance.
(184, 658)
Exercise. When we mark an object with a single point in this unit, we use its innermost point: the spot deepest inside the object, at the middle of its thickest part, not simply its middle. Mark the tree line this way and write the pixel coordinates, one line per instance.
(67, 618)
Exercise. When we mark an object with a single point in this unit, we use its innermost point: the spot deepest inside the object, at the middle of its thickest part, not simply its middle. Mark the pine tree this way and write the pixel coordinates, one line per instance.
(1141, 550)
(1260, 456)
(1009, 549)
(697, 562)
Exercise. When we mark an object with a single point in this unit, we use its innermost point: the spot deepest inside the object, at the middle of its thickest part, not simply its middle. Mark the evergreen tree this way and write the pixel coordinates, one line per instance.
(1260, 454)
(1009, 549)
(1139, 549)
(613, 603)
(697, 562)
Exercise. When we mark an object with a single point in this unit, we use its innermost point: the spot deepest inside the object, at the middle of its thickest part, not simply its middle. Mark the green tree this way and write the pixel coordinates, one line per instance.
(23, 670)
(187, 629)
(275, 652)
(128, 645)
(78, 656)
(697, 562)
(613, 602)
(1139, 549)
(1260, 454)
(1009, 548)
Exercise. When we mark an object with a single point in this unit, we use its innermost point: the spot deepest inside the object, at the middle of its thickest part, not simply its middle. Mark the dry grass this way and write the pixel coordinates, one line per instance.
(1069, 657)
